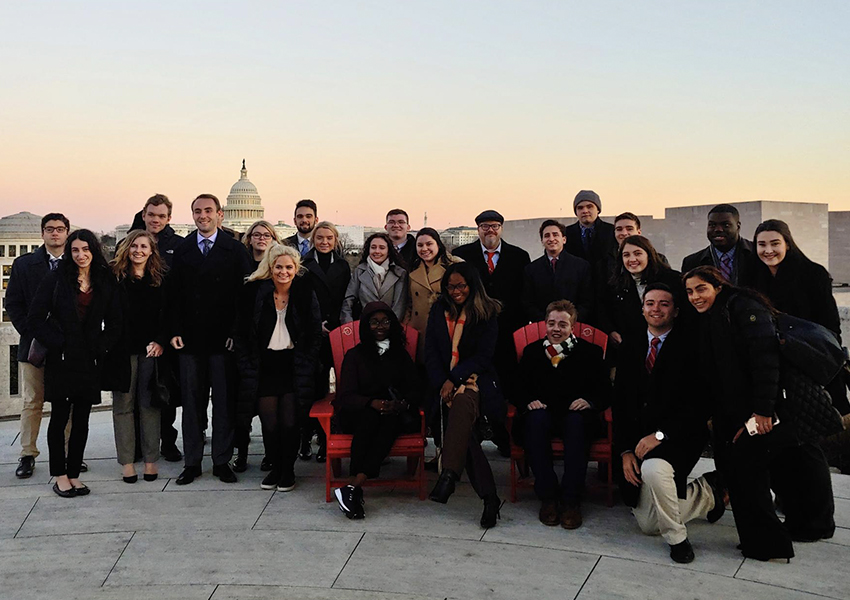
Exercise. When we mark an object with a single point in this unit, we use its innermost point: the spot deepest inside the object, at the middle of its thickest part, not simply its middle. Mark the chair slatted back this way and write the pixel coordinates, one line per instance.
(537, 331)
(345, 337)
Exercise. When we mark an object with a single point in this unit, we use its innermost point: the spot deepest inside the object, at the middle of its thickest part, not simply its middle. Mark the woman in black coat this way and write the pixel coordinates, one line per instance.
(459, 344)
(797, 286)
(76, 315)
(277, 343)
(329, 273)
(622, 301)
(564, 385)
(377, 399)
(741, 353)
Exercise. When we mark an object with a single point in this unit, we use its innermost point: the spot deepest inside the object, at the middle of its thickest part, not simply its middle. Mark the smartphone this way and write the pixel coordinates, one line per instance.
(751, 425)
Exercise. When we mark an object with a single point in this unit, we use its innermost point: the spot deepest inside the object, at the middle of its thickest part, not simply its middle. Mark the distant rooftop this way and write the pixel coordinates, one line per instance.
(22, 222)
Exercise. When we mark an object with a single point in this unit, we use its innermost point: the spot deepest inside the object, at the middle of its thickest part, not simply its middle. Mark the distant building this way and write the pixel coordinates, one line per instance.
(458, 236)
(244, 205)
(839, 246)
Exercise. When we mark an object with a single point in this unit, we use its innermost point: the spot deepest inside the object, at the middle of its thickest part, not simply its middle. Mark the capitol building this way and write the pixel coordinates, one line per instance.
(244, 205)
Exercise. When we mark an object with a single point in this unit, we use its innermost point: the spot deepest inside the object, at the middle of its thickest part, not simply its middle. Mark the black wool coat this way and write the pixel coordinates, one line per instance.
(571, 280)
(329, 287)
(367, 376)
(670, 399)
(257, 318)
(84, 356)
(602, 243)
(28, 271)
(408, 252)
(476, 349)
(202, 292)
(745, 262)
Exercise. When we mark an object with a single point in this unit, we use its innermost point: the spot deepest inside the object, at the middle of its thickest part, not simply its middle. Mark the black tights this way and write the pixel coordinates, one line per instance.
(280, 417)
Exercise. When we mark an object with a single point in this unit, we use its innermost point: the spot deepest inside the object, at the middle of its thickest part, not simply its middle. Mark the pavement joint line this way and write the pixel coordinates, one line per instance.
(782, 587)
(215, 589)
(25, 518)
(265, 506)
(743, 560)
(53, 534)
(356, 546)
(118, 559)
(586, 579)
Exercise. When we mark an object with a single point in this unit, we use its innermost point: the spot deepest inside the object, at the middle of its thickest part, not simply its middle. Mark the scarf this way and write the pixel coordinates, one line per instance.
(455, 332)
(558, 352)
(640, 286)
(383, 346)
(379, 272)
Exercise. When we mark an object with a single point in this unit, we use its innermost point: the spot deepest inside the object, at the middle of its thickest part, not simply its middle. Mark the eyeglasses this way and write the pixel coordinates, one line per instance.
(490, 226)
(460, 287)
(60, 229)
(375, 323)
(261, 236)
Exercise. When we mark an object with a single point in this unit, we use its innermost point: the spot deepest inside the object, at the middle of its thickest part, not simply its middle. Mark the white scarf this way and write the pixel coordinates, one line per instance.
(383, 346)
(379, 272)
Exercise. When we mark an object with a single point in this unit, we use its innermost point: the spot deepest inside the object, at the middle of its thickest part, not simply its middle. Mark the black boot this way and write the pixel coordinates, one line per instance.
(492, 504)
(445, 486)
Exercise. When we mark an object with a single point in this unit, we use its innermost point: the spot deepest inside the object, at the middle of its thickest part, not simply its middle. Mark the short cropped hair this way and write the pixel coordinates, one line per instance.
(627, 216)
(207, 197)
(157, 200)
(725, 208)
(662, 287)
(398, 211)
(309, 204)
(55, 217)
(563, 306)
(553, 223)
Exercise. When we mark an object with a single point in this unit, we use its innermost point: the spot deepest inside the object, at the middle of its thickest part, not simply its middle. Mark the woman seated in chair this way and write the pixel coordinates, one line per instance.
(377, 399)
(564, 386)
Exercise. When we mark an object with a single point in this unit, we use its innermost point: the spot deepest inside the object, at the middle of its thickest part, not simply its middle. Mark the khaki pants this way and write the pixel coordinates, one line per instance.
(33, 393)
(123, 414)
(660, 510)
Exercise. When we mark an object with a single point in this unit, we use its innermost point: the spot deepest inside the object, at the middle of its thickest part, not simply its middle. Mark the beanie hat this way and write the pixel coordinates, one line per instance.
(587, 196)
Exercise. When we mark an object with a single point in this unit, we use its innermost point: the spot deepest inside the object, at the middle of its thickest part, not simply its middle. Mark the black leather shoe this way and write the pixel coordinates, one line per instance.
(82, 491)
(682, 552)
(306, 450)
(266, 464)
(26, 465)
(491, 511)
(188, 475)
(84, 468)
(130, 479)
(171, 454)
(322, 453)
(224, 473)
(240, 463)
(64, 493)
(445, 486)
(150, 476)
(719, 497)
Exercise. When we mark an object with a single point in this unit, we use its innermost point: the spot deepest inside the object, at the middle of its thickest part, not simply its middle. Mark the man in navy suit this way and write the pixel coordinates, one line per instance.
(208, 270)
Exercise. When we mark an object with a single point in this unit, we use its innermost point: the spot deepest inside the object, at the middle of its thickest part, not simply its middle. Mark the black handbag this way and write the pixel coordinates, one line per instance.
(160, 385)
(806, 406)
(811, 348)
(37, 354)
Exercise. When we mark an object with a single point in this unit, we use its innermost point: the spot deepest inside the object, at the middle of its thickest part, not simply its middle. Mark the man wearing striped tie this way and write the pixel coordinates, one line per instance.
(728, 251)
(660, 427)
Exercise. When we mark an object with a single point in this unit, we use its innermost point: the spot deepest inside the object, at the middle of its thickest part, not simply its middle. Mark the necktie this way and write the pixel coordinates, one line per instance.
(554, 262)
(726, 266)
(653, 353)
(585, 238)
(305, 247)
(54, 263)
(491, 266)
(207, 244)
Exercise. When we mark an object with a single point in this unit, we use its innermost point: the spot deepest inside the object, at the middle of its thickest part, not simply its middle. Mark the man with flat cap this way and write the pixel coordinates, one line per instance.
(502, 269)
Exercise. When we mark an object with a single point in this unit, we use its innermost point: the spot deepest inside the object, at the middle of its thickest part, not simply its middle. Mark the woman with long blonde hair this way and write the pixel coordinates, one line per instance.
(139, 269)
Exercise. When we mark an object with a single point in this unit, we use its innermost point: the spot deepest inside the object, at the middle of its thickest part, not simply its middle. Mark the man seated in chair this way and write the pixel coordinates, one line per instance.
(660, 427)
(564, 385)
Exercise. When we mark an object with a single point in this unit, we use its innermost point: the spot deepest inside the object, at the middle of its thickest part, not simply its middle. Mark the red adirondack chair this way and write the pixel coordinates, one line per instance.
(343, 339)
(601, 450)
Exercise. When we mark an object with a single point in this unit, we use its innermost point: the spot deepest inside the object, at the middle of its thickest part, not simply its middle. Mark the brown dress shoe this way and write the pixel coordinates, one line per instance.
(571, 517)
(549, 513)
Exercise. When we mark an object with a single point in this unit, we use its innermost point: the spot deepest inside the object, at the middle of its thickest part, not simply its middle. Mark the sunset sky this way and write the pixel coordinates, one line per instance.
(449, 107)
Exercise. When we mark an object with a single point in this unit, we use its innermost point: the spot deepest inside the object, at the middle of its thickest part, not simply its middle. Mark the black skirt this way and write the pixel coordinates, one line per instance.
(276, 373)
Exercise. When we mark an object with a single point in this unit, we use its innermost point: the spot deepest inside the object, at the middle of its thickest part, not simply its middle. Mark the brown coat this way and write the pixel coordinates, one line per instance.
(424, 291)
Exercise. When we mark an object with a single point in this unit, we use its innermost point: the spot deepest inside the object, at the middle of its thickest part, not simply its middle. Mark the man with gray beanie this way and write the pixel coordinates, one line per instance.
(590, 238)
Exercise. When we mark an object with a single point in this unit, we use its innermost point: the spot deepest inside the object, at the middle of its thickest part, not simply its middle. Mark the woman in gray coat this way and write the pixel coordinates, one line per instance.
(378, 278)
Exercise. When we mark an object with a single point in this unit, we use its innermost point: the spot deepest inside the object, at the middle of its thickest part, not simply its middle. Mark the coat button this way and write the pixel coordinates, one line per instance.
(416, 313)
(417, 293)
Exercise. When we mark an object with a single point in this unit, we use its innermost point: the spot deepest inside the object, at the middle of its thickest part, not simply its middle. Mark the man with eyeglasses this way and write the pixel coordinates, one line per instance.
(306, 217)
(501, 266)
(27, 273)
(398, 228)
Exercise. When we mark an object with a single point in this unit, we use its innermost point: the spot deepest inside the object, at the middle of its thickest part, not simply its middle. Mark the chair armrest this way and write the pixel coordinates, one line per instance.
(322, 408)
(609, 418)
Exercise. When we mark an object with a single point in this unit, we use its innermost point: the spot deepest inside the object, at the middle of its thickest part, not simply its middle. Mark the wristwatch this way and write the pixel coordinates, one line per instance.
(659, 435)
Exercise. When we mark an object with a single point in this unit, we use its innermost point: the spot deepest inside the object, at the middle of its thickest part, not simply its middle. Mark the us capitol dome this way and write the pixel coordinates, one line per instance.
(244, 205)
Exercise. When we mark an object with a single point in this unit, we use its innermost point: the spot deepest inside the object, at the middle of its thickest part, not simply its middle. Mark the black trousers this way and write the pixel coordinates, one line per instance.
(374, 436)
(60, 412)
(800, 476)
(199, 373)
(462, 445)
(572, 427)
(168, 432)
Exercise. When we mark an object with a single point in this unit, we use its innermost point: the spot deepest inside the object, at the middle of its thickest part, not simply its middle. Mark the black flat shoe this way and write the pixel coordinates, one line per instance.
(445, 486)
(26, 465)
(188, 475)
(322, 453)
(224, 473)
(171, 454)
(82, 491)
(492, 506)
(240, 463)
(719, 497)
(84, 468)
(682, 552)
(150, 476)
(306, 451)
(64, 493)
(131, 479)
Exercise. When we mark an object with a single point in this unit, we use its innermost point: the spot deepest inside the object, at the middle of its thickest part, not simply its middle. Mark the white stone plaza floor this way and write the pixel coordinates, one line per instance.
(210, 540)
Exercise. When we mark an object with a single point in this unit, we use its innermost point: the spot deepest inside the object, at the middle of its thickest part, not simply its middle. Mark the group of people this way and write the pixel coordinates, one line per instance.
(244, 324)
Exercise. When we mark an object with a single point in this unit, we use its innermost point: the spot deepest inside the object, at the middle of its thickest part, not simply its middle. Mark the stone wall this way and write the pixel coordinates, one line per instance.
(839, 246)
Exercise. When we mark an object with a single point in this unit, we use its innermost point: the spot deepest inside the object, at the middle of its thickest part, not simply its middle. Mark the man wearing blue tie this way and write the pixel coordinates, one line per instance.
(305, 220)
